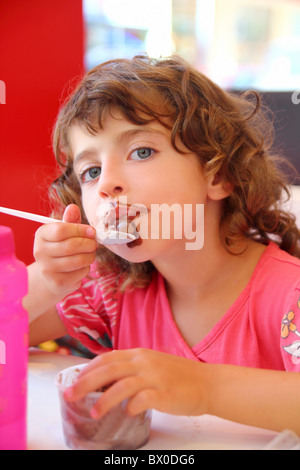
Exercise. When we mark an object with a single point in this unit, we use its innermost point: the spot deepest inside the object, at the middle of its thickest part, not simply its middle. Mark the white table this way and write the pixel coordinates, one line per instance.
(167, 432)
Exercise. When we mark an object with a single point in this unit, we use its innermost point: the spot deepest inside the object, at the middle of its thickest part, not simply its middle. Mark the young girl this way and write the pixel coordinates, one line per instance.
(185, 331)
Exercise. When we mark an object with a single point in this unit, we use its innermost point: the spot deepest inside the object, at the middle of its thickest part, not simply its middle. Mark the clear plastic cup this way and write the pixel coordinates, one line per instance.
(115, 430)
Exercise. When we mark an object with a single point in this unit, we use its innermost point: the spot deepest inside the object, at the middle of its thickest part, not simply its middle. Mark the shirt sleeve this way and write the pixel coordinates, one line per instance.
(290, 334)
(90, 313)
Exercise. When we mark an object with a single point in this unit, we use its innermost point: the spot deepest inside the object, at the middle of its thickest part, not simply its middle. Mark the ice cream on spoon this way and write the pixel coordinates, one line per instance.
(115, 224)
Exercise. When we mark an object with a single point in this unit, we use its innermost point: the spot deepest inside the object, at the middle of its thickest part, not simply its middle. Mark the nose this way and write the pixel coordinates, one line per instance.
(116, 191)
(112, 182)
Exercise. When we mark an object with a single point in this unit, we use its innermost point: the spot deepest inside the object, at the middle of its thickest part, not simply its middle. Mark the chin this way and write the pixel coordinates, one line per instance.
(136, 253)
(146, 250)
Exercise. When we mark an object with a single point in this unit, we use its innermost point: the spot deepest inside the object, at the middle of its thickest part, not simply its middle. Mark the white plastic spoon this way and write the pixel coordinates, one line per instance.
(111, 238)
(29, 216)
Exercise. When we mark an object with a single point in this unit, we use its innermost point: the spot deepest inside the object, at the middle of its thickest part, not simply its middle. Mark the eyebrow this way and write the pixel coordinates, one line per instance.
(123, 137)
(140, 130)
(82, 155)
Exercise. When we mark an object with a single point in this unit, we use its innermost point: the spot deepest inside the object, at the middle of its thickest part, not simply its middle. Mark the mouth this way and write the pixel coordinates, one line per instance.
(117, 223)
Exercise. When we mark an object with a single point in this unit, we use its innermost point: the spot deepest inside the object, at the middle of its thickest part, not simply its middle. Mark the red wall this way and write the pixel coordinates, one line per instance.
(41, 52)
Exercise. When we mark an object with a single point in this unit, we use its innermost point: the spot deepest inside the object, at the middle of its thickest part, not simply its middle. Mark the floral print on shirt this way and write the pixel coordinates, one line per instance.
(290, 333)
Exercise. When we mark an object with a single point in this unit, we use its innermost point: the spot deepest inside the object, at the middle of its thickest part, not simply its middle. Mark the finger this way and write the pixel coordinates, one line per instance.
(57, 231)
(70, 247)
(67, 264)
(116, 394)
(72, 214)
(106, 359)
(93, 364)
(97, 379)
(143, 400)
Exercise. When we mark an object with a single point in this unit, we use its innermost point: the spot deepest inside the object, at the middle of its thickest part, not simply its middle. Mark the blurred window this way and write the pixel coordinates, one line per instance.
(238, 43)
(118, 28)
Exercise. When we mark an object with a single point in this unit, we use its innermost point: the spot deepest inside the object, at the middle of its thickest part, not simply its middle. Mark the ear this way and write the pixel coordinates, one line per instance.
(217, 188)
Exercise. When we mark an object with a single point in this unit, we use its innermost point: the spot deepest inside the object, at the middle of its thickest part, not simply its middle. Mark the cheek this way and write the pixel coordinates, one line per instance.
(90, 208)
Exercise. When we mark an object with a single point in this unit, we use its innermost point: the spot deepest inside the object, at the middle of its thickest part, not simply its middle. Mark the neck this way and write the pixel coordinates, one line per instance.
(189, 270)
(185, 270)
(195, 273)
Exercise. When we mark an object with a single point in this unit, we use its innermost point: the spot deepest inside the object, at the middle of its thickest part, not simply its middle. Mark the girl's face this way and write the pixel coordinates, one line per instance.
(136, 162)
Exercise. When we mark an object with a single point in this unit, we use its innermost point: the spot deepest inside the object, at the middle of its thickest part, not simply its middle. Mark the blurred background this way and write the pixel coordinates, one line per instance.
(238, 43)
(47, 45)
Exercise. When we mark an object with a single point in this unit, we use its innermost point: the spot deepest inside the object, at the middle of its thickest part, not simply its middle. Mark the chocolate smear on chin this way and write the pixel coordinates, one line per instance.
(136, 242)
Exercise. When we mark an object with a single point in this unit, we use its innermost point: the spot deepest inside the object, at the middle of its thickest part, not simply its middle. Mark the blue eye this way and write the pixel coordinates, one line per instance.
(142, 153)
(90, 174)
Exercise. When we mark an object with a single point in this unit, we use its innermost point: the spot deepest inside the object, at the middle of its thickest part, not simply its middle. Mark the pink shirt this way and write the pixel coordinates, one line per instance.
(261, 329)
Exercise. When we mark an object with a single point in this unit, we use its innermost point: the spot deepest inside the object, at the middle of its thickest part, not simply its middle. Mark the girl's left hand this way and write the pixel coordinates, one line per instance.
(148, 379)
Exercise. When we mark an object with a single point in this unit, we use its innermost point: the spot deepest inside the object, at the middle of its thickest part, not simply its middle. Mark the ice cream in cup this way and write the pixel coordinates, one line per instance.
(115, 430)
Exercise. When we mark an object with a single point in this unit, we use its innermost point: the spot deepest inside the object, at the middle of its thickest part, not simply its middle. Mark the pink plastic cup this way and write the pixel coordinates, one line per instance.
(115, 430)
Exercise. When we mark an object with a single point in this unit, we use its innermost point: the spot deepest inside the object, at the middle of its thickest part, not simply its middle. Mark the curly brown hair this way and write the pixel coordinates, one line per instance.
(230, 133)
